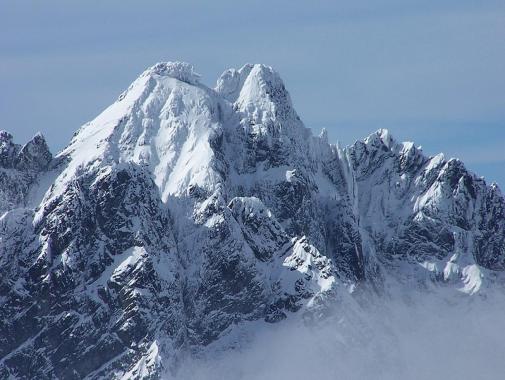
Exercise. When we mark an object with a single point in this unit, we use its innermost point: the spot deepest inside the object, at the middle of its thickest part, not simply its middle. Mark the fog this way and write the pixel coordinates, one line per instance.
(424, 337)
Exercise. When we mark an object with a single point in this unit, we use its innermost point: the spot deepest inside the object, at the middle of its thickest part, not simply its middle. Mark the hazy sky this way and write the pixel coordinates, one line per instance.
(431, 71)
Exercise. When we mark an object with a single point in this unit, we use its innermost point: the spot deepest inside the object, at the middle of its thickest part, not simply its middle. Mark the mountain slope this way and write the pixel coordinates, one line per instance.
(183, 213)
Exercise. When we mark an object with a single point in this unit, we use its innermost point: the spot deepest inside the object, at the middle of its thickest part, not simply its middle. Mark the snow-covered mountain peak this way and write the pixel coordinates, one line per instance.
(231, 82)
(269, 126)
(259, 92)
(251, 80)
(182, 71)
(164, 121)
(8, 149)
(5, 136)
(384, 140)
(171, 123)
(32, 156)
(20, 167)
(323, 135)
(381, 136)
(495, 188)
(264, 98)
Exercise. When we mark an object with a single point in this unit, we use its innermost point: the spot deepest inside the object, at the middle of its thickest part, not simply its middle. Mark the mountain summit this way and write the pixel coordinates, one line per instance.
(183, 214)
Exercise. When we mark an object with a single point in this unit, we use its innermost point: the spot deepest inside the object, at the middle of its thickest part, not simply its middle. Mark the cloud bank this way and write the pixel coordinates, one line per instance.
(429, 338)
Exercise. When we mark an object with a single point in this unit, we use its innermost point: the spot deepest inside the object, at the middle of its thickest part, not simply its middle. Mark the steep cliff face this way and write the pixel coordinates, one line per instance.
(182, 212)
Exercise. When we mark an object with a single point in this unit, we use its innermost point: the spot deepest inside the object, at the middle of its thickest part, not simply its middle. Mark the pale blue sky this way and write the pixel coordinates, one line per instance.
(430, 71)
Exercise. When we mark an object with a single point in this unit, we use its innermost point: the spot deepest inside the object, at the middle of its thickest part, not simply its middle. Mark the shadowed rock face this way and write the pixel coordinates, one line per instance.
(20, 167)
(8, 150)
(33, 156)
(182, 213)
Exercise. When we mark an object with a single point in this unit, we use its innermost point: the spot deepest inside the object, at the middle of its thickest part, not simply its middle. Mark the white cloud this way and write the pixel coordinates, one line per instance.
(425, 339)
